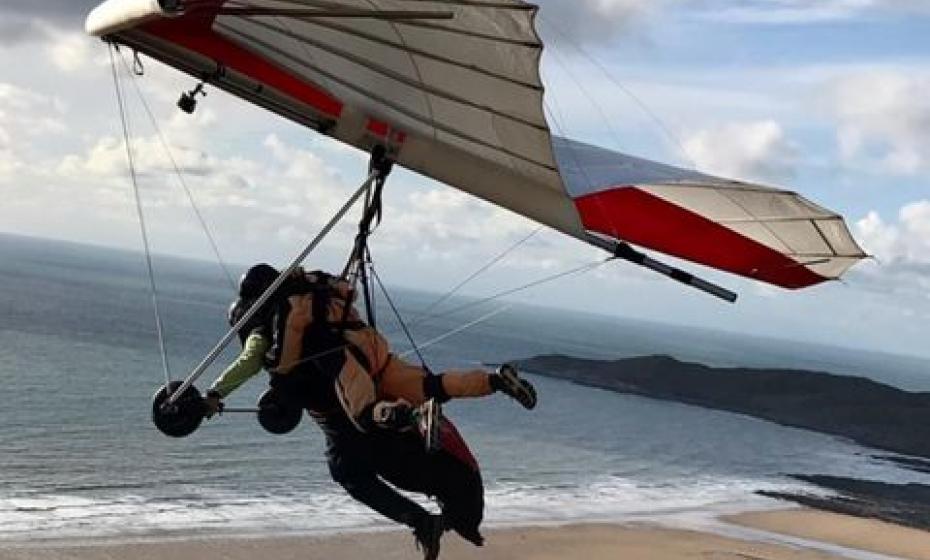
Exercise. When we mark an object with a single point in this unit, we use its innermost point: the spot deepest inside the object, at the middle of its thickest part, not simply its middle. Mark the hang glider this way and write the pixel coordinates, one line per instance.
(452, 88)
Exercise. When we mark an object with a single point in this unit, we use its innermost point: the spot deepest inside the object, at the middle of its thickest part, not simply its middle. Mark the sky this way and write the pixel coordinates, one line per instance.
(827, 97)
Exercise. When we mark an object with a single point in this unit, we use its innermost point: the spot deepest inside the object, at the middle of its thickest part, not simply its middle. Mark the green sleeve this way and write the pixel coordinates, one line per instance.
(246, 366)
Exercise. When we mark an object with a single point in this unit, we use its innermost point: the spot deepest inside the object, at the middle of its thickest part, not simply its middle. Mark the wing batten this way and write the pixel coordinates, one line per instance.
(374, 67)
(349, 31)
(383, 103)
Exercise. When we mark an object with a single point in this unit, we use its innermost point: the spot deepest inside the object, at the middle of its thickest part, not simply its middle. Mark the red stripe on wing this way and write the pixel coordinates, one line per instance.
(195, 32)
(638, 217)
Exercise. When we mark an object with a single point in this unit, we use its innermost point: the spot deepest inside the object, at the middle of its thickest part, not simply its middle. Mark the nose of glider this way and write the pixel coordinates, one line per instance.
(114, 16)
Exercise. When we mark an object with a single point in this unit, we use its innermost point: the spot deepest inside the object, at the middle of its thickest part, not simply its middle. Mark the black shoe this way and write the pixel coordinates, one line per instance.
(472, 535)
(518, 389)
(428, 536)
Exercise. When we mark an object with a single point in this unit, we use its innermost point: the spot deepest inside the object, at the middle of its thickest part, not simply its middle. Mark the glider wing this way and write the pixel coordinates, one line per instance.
(453, 89)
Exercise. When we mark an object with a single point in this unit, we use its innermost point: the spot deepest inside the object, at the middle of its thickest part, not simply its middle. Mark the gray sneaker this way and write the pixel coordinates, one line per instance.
(513, 386)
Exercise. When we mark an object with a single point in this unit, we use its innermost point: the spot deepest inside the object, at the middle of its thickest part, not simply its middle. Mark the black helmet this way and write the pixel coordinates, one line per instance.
(259, 322)
(256, 280)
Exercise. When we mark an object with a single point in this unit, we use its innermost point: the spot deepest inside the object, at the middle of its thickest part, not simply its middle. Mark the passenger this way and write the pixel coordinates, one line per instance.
(368, 431)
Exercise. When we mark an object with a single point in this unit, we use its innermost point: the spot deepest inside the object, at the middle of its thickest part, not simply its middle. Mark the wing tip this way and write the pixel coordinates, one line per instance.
(113, 16)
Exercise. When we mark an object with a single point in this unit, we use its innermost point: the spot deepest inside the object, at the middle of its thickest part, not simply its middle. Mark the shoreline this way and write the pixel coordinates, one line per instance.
(699, 517)
(784, 534)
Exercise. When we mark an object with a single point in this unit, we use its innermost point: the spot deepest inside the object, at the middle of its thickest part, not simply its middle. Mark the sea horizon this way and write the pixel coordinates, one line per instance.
(238, 268)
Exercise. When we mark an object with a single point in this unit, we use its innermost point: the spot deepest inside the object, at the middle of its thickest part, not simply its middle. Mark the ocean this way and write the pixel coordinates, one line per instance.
(79, 457)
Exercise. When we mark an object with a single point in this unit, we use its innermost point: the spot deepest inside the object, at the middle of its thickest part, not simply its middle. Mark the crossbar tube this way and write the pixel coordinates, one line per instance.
(626, 252)
(231, 334)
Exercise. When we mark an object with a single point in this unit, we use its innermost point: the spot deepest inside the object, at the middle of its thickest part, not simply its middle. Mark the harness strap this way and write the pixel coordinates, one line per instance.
(359, 356)
(376, 376)
(354, 325)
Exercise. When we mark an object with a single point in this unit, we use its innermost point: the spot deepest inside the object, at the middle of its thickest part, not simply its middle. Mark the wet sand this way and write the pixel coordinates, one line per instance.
(590, 542)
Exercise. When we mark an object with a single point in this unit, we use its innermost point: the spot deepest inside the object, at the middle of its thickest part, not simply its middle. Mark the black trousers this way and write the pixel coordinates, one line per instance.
(365, 464)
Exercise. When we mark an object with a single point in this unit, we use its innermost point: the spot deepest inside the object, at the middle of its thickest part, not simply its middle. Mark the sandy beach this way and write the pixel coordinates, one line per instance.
(588, 541)
(852, 532)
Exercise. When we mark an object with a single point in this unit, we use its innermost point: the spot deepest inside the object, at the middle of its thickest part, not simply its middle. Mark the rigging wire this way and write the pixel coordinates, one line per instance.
(622, 249)
(670, 134)
(483, 319)
(607, 120)
(512, 291)
(400, 319)
(425, 312)
(470, 305)
(557, 118)
(180, 176)
(494, 297)
(153, 287)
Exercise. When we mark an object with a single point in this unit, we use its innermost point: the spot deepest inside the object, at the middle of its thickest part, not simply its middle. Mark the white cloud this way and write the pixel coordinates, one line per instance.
(883, 120)
(745, 150)
(107, 159)
(791, 11)
(593, 21)
(907, 242)
(17, 98)
(901, 249)
(70, 52)
(446, 224)
(24, 116)
(29, 21)
(277, 180)
(253, 195)
(58, 10)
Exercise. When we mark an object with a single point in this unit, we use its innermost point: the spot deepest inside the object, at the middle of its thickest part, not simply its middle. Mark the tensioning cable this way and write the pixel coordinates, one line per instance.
(445, 336)
(424, 314)
(483, 319)
(666, 129)
(396, 311)
(494, 297)
(133, 176)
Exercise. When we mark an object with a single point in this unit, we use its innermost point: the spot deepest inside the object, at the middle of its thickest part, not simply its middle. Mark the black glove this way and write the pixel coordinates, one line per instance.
(213, 404)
